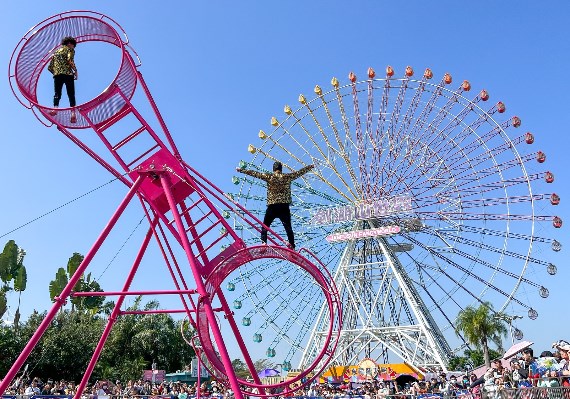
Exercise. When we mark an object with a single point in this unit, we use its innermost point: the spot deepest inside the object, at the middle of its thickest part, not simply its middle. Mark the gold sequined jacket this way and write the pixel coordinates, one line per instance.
(62, 61)
(278, 184)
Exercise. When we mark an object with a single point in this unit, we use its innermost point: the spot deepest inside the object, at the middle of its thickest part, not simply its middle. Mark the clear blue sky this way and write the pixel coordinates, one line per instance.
(220, 70)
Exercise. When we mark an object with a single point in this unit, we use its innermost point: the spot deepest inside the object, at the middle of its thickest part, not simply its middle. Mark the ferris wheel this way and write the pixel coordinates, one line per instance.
(425, 199)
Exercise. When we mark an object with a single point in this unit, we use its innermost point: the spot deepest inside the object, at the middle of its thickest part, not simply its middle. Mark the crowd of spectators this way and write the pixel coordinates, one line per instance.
(521, 372)
(116, 390)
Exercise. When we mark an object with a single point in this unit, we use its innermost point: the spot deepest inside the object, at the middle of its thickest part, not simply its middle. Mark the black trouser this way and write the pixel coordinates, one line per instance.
(58, 82)
(283, 213)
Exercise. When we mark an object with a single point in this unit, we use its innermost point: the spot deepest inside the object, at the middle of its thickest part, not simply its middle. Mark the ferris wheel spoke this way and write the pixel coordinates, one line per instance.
(460, 203)
(488, 202)
(422, 164)
(414, 103)
(442, 113)
(381, 137)
(395, 114)
(323, 158)
(250, 274)
(382, 112)
(456, 283)
(463, 216)
(422, 179)
(493, 169)
(477, 244)
(486, 155)
(417, 127)
(445, 110)
(275, 143)
(465, 187)
(436, 302)
(479, 260)
(369, 136)
(350, 144)
(360, 139)
(433, 161)
(506, 234)
(460, 153)
(466, 271)
(274, 293)
(341, 147)
(468, 190)
(279, 311)
(448, 295)
(406, 141)
(302, 301)
(297, 296)
(467, 131)
(460, 117)
(340, 151)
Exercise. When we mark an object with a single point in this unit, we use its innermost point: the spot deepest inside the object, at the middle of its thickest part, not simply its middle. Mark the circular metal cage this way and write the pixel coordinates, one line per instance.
(36, 48)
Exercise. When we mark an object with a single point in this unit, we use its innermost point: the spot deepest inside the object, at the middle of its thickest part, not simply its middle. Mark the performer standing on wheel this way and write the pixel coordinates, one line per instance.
(64, 71)
(278, 197)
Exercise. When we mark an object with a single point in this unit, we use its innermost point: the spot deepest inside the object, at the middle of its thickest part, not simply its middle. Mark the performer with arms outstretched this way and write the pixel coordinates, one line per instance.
(278, 197)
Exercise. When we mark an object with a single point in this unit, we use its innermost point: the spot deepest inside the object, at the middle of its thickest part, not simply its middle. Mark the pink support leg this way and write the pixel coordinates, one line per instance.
(226, 361)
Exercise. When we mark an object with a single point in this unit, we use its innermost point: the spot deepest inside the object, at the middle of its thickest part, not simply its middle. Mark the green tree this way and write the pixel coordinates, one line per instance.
(471, 359)
(11, 344)
(240, 369)
(68, 344)
(137, 341)
(12, 269)
(85, 284)
(479, 326)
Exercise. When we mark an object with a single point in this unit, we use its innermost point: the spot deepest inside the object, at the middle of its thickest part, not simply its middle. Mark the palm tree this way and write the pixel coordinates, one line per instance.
(479, 326)
(12, 270)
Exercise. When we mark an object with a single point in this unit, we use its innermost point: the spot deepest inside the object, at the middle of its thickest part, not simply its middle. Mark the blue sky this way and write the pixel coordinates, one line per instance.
(219, 70)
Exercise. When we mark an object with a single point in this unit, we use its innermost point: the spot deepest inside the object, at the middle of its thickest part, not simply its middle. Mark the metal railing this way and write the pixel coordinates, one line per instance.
(535, 393)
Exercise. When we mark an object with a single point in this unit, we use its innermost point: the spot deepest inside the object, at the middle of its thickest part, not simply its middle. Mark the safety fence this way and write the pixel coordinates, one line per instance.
(92, 396)
(505, 393)
(535, 393)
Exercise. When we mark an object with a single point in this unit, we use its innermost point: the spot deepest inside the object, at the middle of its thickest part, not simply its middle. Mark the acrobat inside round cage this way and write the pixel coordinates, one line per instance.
(36, 48)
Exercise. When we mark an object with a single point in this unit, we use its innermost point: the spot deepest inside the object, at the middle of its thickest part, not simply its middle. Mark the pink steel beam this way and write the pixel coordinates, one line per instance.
(123, 293)
(163, 311)
(60, 300)
(200, 287)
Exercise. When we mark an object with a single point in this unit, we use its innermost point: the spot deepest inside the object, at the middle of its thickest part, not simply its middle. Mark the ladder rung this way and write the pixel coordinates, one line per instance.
(143, 155)
(211, 245)
(204, 233)
(199, 220)
(115, 118)
(129, 138)
(187, 210)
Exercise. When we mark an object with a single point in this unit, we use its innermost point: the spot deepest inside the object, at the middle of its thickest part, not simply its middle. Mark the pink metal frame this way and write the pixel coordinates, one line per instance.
(168, 190)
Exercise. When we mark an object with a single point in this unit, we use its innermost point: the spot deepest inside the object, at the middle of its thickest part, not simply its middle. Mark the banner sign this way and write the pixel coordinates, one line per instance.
(356, 234)
(362, 211)
(154, 375)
